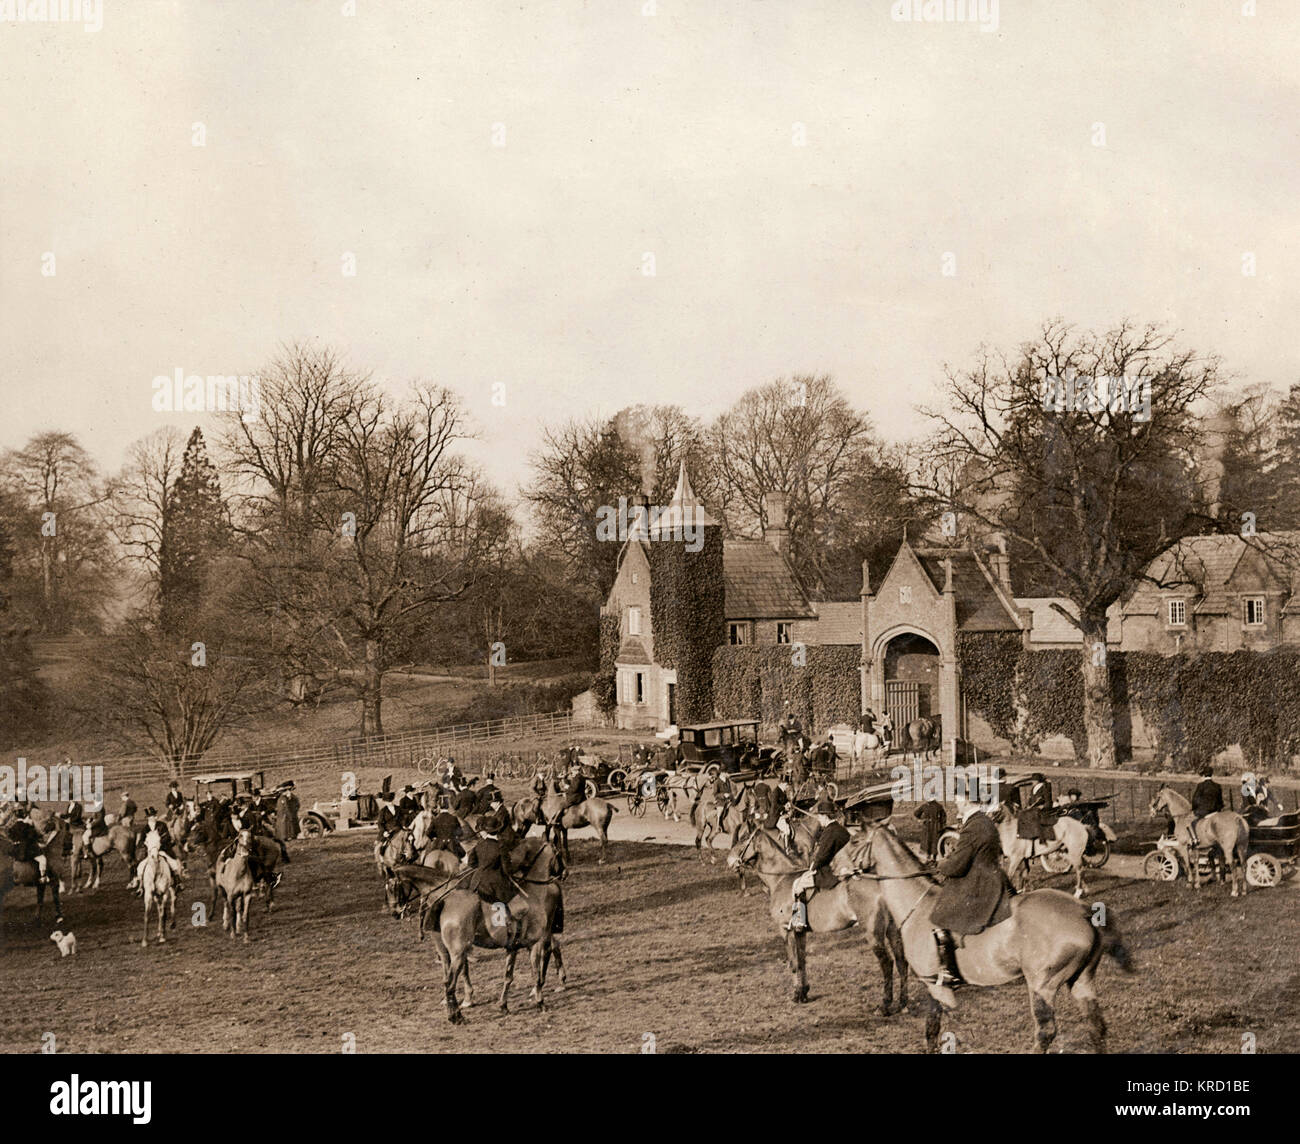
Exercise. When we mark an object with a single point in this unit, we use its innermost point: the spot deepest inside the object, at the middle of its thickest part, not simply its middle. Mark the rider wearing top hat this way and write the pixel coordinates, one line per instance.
(831, 839)
(166, 847)
(491, 880)
(389, 820)
(175, 801)
(28, 842)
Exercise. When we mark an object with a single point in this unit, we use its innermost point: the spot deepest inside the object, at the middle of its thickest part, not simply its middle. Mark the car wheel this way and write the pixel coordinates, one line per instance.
(312, 827)
(1263, 870)
(1160, 866)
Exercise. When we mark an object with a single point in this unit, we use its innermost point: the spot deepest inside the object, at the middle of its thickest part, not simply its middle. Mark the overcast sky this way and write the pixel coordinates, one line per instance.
(672, 134)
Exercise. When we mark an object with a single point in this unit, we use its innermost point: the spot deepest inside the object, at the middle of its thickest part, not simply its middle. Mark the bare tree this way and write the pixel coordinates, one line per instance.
(1081, 448)
(142, 494)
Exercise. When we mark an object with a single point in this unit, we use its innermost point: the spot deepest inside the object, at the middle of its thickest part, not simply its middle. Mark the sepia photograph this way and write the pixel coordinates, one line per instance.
(650, 527)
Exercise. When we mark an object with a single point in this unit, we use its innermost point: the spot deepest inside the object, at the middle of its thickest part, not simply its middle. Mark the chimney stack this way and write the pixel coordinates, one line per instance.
(776, 533)
(1001, 562)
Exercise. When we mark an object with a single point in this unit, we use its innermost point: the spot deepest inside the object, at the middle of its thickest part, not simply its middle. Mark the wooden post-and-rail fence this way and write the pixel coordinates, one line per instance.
(469, 742)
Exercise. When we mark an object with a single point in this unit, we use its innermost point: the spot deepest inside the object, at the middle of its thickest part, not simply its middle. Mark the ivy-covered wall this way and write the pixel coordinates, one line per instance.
(820, 682)
(605, 685)
(1193, 707)
(688, 618)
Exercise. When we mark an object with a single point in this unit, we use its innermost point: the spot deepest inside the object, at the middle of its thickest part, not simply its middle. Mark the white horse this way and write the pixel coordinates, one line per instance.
(863, 742)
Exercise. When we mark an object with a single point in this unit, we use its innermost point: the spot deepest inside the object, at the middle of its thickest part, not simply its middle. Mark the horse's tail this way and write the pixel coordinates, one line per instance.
(1112, 944)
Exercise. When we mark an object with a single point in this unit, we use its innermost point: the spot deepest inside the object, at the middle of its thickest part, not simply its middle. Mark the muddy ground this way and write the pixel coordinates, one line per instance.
(655, 943)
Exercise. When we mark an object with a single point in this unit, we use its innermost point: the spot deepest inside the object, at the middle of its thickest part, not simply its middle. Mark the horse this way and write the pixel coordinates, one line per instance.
(436, 868)
(595, 812)
(922, 735)
(397, 850)
(120, 840)
(1071, 837)
(683, 791)
(210, 832)
(1048, 941)
(159, 889)
(460, 919)
(854, 901)
(1224, 828)
(234, 880)
(710, 821)
(525, 813)
(22, 873)
(863, 742)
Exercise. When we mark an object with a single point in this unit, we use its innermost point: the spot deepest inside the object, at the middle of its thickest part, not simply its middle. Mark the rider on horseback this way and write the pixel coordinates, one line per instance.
(973, 888)
(492, 878)
(831, 839)
(166, 848)
(28, 842)
(1207, 799)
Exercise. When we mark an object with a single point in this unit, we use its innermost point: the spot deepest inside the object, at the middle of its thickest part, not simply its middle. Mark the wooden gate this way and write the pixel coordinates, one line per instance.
(903, 702)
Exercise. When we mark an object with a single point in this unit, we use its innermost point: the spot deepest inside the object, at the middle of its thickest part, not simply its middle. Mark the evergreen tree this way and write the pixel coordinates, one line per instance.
(193, 535)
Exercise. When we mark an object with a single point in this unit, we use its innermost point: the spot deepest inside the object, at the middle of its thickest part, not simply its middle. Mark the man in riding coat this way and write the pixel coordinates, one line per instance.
(973, 888)
(831, 839)
(1207, 798)
(128, 809)
(491, 880)
(445, 832)
(28, 842)
(483, 803)
(97, 827)
(166, 847)
(541, 785)
(465, 801)
(75, 817)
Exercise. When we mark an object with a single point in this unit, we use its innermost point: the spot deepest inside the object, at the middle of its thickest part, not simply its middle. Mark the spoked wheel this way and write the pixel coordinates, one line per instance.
(661, 799)
(425, 766)
(636, 804)
(311, 827)
(947, 840)
(1099, 855)
(618, 779)
(1057, 862)
(1263, 870)
(1160, 866)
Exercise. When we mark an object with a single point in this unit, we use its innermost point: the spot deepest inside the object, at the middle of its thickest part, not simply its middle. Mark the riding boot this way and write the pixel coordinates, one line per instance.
(948, 974)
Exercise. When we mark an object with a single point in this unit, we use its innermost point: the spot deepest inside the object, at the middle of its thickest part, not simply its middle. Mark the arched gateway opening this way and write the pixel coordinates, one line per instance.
(911, 665)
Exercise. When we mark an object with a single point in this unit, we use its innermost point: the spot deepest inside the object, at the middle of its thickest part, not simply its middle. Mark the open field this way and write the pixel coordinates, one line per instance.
(655, 942)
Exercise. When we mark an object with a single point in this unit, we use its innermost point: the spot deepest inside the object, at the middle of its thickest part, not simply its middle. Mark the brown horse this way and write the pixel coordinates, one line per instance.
(159, 890)
(711, 820)
(922, 736)
(120, 840)
(855, 901)
(595, 812)
(1224, 829)
(460, 919)
(15, 873)
(1047, 942)
(234, 881)
(411, 881)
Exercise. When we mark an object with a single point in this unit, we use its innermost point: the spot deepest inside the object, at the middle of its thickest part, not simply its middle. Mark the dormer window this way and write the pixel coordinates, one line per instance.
(1252, 611)
(1176, 613)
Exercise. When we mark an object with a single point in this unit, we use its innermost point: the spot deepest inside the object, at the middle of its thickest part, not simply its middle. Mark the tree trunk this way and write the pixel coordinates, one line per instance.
(372, 683)
(1098, 708)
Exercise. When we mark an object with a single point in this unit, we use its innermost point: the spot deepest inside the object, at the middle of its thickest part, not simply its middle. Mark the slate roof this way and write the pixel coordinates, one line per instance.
(838, 622)
(759, 584)
(1203, 566)
(980, 606)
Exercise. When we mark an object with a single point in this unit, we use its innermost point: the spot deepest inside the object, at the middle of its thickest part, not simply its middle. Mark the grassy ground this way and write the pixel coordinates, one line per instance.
(655, 943)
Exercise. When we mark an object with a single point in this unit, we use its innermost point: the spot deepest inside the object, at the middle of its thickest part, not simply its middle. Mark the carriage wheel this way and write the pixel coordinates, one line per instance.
(1100, 856)
(947, 840)
(311, 827)
(636, 804)
(1057, 862)
(618, 779)
(1263, 870)
(1160, 866)
(661, 799)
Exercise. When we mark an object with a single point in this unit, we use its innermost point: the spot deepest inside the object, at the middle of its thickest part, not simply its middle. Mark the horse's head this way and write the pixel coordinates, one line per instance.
(244, 842)
(1160, 803)
(745, 851)
(397, 894)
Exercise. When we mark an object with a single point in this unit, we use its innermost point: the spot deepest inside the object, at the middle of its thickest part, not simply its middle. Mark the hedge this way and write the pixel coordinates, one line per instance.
(756, 682)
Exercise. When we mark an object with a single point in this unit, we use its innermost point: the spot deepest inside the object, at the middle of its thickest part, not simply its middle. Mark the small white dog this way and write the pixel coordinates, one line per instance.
(67, 942)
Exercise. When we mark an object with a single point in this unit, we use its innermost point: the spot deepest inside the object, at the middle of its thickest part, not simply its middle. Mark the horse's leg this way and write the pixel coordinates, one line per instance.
(933, 1019)
(244, 903)
(450, 977)
(879, 948)
(511, 954)
(1083, 991)
(801, 971)
(1044, 1019)
(895, 938)
(537, 955)
(553, 948)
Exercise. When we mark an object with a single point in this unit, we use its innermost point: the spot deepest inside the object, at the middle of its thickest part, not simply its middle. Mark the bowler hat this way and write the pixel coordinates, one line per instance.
(825, 806)
(493, 822)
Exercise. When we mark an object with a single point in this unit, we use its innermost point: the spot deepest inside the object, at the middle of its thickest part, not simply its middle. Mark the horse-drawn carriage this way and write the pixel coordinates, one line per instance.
(1272, 854)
